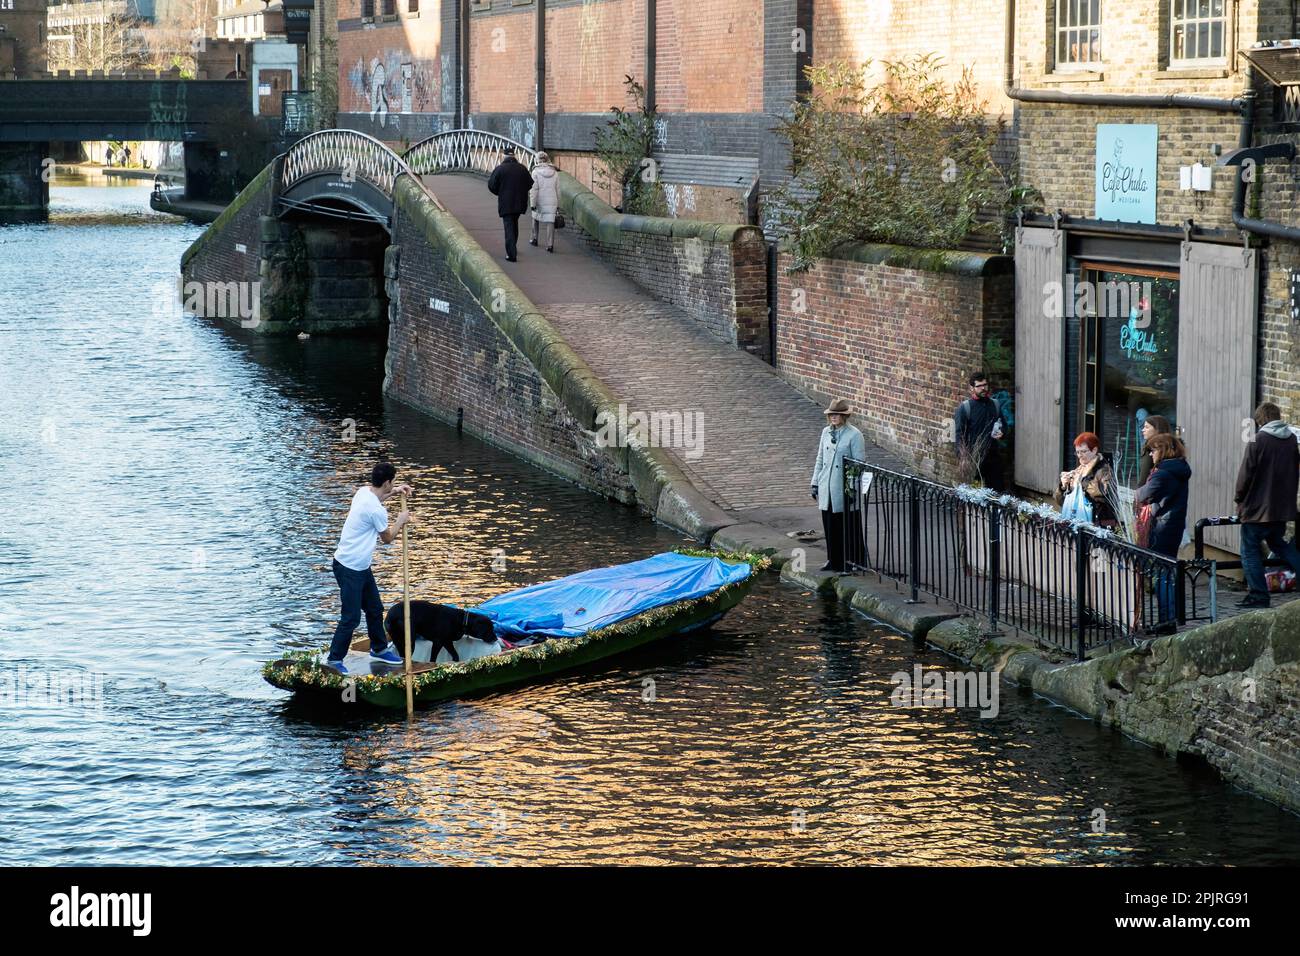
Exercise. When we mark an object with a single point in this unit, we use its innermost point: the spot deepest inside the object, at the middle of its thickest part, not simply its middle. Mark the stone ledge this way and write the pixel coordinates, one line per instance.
(952, 261)
(756, 538)
(598, 218)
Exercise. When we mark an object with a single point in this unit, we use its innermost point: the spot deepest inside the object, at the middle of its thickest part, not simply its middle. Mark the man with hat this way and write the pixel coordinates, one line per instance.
(839, 440)
(510, 183)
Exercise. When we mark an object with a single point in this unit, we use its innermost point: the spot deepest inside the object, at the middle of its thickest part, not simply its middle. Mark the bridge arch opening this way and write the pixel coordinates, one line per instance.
(330, 260)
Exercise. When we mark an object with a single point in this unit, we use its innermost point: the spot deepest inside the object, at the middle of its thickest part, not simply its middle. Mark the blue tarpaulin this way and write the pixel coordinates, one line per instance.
(569, 607)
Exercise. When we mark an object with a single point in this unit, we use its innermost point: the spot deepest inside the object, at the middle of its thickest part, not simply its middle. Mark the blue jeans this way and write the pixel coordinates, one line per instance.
(360, 593)
(1165, 593)
(1273, 533)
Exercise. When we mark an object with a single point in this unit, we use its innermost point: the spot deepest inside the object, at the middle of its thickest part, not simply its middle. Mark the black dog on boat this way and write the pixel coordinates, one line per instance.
(440, 624)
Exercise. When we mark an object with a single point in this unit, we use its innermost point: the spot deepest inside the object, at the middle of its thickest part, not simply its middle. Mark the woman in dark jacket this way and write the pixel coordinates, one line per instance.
(1096, 475)
(1153, 425)
(1165, 493)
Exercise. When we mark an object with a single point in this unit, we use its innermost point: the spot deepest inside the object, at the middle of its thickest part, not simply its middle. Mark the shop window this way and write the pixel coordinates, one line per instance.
(1078, 33)
(1198, 32)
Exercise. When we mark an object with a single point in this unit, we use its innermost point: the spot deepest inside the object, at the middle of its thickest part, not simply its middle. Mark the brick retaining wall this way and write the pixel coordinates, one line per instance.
(897, 332)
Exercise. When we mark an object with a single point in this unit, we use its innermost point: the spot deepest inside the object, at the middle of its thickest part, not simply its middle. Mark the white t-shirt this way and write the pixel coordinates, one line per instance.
(366, 518)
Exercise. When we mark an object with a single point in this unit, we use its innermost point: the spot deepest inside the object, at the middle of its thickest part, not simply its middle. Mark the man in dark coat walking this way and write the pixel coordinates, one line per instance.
(1266, 499)
(510, 183)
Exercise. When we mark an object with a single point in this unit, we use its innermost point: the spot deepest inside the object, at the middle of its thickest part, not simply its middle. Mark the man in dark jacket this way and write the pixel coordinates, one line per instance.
(510, 183)
(1267, 483)
(977, 428)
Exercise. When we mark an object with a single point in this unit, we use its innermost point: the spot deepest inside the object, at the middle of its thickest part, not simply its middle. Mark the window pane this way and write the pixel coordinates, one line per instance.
(1203, 40)
(1204, 8)
(1179, 37)
(1178, 9)
(1216, 39)
(1216, 8)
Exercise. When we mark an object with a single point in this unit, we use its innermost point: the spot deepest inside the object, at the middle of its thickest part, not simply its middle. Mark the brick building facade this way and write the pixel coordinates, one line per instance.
(1134, 166)
(22, 38)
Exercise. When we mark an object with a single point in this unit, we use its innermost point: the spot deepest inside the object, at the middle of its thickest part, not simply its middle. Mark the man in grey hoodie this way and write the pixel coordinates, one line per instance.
(1267, 483)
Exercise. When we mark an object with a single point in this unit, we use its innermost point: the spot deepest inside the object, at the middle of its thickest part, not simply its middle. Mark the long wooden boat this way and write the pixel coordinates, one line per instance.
(302, 673)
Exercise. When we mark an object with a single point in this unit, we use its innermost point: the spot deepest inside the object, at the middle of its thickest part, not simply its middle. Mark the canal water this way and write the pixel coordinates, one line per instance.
(173, 489)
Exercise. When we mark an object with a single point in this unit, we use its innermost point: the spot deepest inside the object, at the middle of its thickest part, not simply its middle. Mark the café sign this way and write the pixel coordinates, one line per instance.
(1126, 172)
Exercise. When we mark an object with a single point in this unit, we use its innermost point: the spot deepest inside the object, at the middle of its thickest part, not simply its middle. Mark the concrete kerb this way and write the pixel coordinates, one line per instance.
(753, 536)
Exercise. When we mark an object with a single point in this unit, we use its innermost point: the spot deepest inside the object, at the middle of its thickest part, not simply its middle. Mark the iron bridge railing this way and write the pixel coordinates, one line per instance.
(464, 150)
(342, 152)
(1072, 586)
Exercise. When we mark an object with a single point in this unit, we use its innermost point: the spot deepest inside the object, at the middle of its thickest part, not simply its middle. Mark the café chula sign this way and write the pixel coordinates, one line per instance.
(1126, 172)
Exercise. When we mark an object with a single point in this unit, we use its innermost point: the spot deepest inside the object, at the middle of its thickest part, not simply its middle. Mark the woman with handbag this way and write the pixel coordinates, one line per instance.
(1084, 491)
(1163, 504)
(545, 201)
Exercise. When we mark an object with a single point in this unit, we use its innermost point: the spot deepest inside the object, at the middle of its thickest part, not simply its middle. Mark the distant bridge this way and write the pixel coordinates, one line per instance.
(70, 110)
(338, 168)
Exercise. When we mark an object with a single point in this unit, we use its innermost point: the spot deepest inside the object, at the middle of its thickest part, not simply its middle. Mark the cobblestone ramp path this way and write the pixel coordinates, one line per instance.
(756, 435)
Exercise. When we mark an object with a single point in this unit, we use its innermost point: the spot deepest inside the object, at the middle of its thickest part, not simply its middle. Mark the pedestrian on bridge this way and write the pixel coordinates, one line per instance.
(544, 201)
(839, 440)
(510, 182)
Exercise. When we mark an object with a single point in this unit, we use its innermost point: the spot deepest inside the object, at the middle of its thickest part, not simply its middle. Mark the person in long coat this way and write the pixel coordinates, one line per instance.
(1165, 494)
(839, 440)
(544, 200)
(510, 183)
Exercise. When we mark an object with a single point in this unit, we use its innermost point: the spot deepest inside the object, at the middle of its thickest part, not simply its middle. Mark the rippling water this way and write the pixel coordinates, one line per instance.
(173, 493)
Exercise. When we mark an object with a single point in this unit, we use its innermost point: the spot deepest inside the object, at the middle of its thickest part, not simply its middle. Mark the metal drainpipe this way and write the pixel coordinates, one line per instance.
(540, 43)
(651, 53)
(1260, 227)
(462, 105)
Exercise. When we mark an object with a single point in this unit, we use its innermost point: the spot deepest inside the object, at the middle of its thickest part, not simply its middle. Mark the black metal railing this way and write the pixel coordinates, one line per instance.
(1071, 585)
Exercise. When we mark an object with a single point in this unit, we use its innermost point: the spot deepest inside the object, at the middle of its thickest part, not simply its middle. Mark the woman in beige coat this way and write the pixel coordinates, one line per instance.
(544, 200)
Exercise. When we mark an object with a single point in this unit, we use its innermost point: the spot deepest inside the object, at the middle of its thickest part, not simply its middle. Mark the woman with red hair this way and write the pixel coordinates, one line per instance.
(1093, 476)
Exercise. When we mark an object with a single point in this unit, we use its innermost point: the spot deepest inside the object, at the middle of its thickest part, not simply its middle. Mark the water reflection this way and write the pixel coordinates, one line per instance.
(181, 489)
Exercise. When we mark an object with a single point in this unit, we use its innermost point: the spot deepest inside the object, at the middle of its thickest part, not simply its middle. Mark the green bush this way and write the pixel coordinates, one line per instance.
(907, 160)
(622, 147)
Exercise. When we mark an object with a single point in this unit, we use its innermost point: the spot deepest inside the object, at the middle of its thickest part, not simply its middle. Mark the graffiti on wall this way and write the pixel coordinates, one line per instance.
(448, 82)
(680, 198)
(394, 84)
(523, 129)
